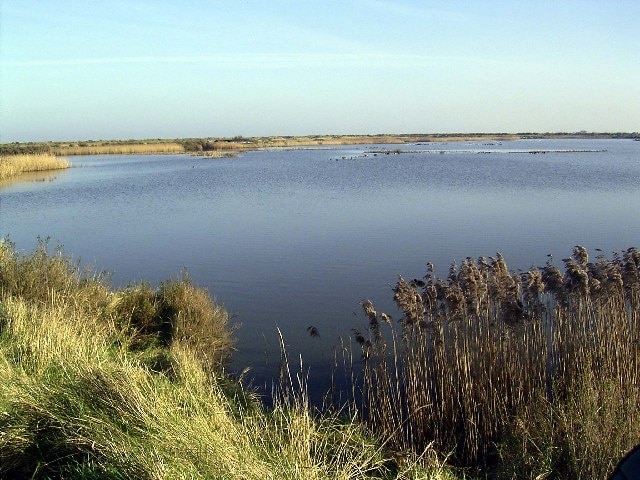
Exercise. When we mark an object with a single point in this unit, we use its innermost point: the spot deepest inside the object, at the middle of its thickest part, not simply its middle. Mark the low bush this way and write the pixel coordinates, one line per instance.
(44, 277)
(195, 320)
(178, 311)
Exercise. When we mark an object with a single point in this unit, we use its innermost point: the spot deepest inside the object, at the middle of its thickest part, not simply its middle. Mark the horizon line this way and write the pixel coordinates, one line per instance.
(628, 134)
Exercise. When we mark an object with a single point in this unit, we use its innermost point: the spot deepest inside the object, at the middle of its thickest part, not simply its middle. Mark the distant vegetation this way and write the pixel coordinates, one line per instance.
(12, 165)
(106, 148)
(221, 146)
(92, 147)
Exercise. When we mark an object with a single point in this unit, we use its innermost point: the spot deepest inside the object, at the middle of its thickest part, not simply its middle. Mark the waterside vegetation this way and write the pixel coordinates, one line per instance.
(13, 165)
(119, 148)
(533, 375)
(486, 373)
(217, 146)
(96, 383)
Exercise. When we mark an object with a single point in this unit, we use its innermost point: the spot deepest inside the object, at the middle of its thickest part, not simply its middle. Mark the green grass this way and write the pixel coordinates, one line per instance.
(75, 401)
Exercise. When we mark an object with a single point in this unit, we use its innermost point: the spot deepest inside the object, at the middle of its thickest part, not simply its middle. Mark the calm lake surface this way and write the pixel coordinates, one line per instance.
(294, 238)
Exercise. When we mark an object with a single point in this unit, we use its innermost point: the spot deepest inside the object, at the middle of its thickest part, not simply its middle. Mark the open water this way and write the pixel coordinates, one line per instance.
(297, 238)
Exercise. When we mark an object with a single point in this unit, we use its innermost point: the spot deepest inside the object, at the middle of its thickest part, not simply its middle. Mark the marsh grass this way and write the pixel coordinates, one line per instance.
(12, 165)
(484, 352)
(74, 401)
(118, 148)
(43, 277)
(582, 436)
(90, 387)
(177, 311)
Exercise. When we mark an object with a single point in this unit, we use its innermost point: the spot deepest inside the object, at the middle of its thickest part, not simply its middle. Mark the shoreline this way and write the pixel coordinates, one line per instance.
(220, 146)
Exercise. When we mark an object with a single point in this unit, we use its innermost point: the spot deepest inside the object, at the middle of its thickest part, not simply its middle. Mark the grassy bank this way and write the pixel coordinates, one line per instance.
(533, 375)
(96, 383)
(12, 165)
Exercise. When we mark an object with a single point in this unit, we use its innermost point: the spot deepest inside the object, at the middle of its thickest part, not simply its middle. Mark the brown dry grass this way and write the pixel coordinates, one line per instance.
(473, 353)
(118, 148)
(12, 165)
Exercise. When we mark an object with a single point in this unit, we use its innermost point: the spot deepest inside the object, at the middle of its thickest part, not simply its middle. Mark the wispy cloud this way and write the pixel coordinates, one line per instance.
(229, 60)
(269, 60)
(453, 12)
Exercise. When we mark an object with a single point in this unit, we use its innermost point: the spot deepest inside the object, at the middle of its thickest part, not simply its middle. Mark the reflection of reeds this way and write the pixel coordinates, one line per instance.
(12, 165)
(473, 350)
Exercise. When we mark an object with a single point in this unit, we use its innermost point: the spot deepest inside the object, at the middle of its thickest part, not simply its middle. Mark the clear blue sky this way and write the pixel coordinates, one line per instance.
(101, 69)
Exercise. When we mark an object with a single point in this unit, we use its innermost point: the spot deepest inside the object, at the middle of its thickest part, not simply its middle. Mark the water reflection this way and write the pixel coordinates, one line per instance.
(32, 177)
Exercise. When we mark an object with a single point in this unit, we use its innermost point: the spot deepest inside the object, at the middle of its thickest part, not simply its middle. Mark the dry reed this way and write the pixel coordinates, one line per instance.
(118, 148)
(12, 165)
(474, 350)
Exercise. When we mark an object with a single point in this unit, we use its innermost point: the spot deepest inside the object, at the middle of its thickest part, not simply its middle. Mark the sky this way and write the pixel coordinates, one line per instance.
(121, 69)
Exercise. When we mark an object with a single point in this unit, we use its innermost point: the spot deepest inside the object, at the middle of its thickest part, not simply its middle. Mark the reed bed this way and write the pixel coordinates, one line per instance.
(118, 148)
(524, 371)
(12, 165)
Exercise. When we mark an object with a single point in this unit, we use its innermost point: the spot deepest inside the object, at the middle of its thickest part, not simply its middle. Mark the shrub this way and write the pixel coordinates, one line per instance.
(136, 311)
(177, 312)
(44, 278)
(195, 320)
(149, 319)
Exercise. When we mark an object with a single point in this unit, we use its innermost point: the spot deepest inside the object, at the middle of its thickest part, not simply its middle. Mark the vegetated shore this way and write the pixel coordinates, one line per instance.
(97, 383)
(213, 146)
(509, 375)
(131, 383)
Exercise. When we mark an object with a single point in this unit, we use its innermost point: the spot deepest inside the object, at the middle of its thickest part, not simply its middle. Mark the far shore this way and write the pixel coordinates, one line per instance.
(217, 147)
